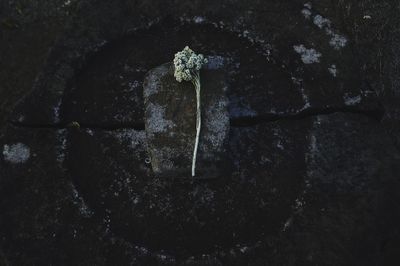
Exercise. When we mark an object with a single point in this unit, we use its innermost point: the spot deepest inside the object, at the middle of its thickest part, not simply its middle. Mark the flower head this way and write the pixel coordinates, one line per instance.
(187, 64)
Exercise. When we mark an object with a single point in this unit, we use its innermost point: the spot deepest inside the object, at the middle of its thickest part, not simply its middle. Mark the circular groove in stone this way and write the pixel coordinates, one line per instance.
(246, 204)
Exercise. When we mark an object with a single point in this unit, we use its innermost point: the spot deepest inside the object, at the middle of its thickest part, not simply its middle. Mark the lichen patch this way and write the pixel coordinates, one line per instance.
(336, 41)
(321, 22)
(349, 100)
(308, 56)
(333, 70)
(16, 153)
(306, 13)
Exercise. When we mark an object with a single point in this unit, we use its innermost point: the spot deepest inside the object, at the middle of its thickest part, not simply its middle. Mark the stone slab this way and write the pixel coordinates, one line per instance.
(170, 120)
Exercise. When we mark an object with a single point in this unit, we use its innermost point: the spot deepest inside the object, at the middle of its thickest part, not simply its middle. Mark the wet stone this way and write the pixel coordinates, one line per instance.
(170, 121)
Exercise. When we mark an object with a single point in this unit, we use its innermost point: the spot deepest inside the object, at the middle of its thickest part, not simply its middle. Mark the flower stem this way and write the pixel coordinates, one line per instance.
(196, 83)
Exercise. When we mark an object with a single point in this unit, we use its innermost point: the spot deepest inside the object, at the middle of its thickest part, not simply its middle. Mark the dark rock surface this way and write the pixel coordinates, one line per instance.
(311, 183)
(170, 122)
(184, 218)
(302, 68)
(312, 177)
(391, 95)
(44, 219)
(27, 30)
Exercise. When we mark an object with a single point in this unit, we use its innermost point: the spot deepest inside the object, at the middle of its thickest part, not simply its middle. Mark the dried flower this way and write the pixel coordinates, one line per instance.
(187, 64)
(187, 68)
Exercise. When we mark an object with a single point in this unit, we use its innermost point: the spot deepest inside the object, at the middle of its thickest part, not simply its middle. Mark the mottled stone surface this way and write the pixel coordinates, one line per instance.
(306, 65)
(308, 182)
(170, 120)
(391, 94)
(41, 209)
(295, 188)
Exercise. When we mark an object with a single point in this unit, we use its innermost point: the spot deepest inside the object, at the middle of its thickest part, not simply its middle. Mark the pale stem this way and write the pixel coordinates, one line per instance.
(196, 83)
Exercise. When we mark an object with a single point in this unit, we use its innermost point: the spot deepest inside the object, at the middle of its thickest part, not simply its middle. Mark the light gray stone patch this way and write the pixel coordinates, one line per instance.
(308, 56)
(78, 200)
(135, 138)
(348, 100)
(321, 22)
(217, 121)
(150, 90)
(333, 70)
(306, 13)
(56, 110)
(338, 41)
(157, 122)
(61, 145)
(198, 19)
(16, 153)
(306, 99)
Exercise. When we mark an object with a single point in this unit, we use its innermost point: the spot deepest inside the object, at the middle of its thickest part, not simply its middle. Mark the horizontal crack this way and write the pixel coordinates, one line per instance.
(234, 122)
(254, 120)
(135, 126)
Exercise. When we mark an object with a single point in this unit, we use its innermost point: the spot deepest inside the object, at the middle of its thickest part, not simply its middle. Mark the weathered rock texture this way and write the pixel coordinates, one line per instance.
(294, 183)
(170, 122)
(313, 172)
(306, 67)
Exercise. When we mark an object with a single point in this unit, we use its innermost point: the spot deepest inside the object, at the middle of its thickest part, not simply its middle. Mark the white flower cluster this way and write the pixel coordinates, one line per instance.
(187, 64)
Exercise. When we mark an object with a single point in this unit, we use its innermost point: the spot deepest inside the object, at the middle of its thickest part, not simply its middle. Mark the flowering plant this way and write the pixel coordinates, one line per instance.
(187, 67)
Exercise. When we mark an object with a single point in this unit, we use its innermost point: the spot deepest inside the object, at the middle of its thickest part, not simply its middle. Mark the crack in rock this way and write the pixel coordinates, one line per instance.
(244, 121)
